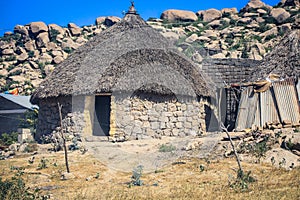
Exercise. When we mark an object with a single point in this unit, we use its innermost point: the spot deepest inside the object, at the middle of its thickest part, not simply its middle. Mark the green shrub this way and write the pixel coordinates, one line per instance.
(53, 35)
(257, 37)
(15, 188)
(30, 54)
(68, 50)
(270, 20)
(31, 119)
(10, 67)
(167, 148)
(10, 58)
(227, 15)
(8, 139)
(15, 73)
(136, 176)
(241, 182)
(270, 37)
(43, 164)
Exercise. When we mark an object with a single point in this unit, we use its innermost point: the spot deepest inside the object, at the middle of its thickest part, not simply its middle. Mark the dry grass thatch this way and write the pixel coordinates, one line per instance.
(98, 65)
(284, 60)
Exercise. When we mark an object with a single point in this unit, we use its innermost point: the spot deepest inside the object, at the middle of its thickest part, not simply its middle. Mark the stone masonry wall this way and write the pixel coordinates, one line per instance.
(49, 115)
(136, 118)
(229, 70)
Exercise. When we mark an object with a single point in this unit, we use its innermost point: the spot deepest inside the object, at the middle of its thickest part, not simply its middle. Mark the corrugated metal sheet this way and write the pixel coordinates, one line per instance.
(257, 115)
(287, 100)
(247, 109)
(268, 112)
(298, 88)
(20, 100)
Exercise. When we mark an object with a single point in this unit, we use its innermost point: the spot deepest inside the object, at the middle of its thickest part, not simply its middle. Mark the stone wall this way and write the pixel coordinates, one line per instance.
(229, 70)
(137, 118)
(131, 117)
(49, 115)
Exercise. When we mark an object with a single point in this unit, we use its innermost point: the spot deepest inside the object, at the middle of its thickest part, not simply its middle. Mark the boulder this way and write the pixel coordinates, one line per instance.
(7, 52)
(260, 48)
(42, 40)
(38, 27)
(51, 46)
(253, 4)
(100, 20)
(45, 58)
(179, 15)
(229, 10)
(30, 45)
(18, 78)
(22, 57)
(210, 34)
(111, 20)
(57, 59)
(171, 35)
(67, 176)
(210, 15)
(8, 33)
(57, 53)
(192, 29)
(218, 55)
(261, 11)
(21, 30)
(49, 69)
(192, 38)
(272, 31)
(197, 57)
(56, 28)
(295, 3)
(74, 29)
(69, 43)
(245, 20)
(280, 14)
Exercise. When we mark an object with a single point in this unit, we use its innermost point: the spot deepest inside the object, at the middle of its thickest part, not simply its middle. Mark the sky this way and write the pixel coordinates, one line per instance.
(62, 12)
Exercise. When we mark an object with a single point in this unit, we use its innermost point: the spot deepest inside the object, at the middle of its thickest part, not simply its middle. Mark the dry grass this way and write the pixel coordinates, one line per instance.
(181, 181)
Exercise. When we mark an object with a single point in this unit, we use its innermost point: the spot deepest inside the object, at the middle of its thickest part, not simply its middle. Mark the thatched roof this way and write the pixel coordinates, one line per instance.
(125, 57)
(283, 60)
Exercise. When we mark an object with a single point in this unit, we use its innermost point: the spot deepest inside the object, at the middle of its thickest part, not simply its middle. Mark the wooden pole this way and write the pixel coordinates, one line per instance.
(63, 137)
(233, 148)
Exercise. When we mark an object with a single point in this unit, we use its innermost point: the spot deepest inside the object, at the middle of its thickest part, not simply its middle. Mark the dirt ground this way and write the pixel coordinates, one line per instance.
(195, 169)
(124, 156)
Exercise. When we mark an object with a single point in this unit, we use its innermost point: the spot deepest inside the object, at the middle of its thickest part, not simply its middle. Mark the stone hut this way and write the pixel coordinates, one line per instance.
(126, 82)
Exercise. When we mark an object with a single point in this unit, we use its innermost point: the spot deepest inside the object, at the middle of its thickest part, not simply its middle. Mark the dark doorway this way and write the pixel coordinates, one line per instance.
(102, 116)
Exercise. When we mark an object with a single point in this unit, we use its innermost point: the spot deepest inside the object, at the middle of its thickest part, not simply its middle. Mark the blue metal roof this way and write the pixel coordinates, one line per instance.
(19, 99)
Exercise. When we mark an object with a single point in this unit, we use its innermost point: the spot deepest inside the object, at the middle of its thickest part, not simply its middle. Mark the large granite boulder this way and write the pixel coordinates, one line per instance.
(179, 15)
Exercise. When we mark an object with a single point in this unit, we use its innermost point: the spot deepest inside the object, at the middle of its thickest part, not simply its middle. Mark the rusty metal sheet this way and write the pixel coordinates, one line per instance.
(268, 112)
(247, 109)
(287, 100)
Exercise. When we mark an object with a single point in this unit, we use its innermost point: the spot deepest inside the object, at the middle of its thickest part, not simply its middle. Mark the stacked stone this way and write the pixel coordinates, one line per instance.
(138, 118)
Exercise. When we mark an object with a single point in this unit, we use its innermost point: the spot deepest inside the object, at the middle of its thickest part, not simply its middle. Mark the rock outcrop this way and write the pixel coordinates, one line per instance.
(30, 53)
(179, 15)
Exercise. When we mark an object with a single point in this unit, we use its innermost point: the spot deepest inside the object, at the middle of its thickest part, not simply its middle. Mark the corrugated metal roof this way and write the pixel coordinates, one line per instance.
(287, 100)
(20, 100)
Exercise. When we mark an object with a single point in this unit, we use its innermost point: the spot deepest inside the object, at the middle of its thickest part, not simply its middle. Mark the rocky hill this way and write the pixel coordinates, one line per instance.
(31, 52)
